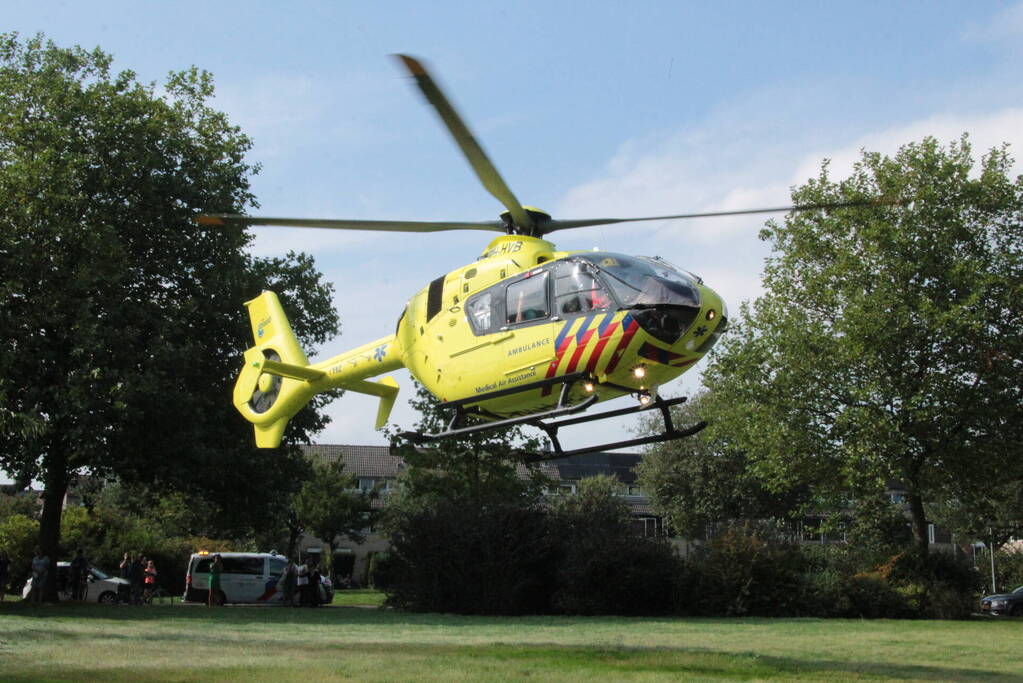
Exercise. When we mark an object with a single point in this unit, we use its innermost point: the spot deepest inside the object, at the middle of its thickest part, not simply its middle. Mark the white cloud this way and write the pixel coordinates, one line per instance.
(986, 131)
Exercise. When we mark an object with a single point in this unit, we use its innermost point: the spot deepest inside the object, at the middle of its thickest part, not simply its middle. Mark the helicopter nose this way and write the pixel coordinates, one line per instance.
(667, 323)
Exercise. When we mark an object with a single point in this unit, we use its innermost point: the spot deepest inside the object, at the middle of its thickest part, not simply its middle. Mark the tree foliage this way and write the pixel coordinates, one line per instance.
(603, 567)
(704, 481)
(330, 505)
(476, 469)
(466, 529)
(120, 318)
(887, 344)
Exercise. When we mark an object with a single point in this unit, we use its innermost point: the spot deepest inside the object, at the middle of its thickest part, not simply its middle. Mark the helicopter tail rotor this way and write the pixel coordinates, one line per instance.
(277, 380)
(274, 384)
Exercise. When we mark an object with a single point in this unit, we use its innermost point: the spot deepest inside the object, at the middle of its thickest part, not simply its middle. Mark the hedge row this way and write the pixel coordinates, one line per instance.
(507, 560)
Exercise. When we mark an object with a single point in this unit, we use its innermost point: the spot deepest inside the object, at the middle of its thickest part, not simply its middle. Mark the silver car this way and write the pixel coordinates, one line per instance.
(98, 586)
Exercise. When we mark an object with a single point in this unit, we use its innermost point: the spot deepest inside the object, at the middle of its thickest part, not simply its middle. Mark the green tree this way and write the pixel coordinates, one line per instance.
(475, 469)
(993, 515)
(466, 529)
(330, 505)
(119, 317)
(887, 344)
(704, 481)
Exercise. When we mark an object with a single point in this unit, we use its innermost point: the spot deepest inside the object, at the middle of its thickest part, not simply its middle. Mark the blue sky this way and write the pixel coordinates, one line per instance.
(594, 108)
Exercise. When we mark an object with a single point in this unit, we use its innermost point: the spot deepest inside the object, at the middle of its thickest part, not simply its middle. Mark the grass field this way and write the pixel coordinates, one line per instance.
(188, 642)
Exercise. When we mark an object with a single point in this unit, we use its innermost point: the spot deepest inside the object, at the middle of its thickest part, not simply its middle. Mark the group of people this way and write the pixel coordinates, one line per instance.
(304, 582)
(140, 573)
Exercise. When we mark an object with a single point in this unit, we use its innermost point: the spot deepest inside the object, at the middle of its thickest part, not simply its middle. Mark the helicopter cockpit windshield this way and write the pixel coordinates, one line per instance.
(666, 300)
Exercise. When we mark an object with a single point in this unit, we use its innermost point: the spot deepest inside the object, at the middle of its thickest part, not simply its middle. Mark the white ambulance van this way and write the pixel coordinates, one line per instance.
(244, 577)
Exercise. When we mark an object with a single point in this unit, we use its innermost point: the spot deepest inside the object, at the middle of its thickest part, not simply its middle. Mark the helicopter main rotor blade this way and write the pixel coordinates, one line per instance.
(554, 224)
(343, 224)
(499, 226)
(481, 164)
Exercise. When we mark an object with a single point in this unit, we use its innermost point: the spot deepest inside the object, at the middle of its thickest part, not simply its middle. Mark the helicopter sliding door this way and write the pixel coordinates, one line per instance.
(512, 339)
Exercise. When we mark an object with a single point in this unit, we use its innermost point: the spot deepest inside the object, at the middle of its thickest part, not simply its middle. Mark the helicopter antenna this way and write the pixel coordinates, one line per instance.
(481, 164)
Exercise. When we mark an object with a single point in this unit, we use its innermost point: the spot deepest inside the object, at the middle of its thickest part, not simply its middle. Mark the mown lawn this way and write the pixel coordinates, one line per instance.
(189, 642)
(358, 597)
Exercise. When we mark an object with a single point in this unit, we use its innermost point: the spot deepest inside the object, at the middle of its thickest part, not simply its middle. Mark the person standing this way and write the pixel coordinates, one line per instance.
(150, 582)
(125, 565)
(40, 572)
(315, 579)
(288, 583)
(215, 569)
(136, 575)
(302, 583)
(77, 574)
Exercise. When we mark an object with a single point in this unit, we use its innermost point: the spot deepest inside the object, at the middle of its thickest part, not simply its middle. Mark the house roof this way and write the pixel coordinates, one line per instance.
(377, 461)
(363, 461)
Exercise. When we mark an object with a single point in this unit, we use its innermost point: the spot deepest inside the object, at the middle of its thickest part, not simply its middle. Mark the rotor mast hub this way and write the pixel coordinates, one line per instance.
(538, 217)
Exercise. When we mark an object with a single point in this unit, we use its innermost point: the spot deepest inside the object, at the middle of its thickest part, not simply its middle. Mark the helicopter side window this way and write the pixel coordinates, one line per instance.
(576, 290)
(478, 311)
(527, 300)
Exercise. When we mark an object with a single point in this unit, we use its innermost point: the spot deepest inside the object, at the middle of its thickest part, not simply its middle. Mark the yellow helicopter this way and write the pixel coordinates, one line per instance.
(525, 334)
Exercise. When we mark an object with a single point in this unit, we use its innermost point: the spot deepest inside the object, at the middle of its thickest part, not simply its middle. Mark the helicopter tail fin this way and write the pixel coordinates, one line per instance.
(275, 382)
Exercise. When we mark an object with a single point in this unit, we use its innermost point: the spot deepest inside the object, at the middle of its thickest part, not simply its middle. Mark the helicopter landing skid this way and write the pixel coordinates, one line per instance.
(454, 429)
(668, 433)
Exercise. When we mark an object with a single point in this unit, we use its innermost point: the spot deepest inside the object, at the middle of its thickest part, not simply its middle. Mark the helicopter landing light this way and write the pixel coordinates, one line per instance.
(644, 398)
(639, 372)
(589, 387)
(711, 314)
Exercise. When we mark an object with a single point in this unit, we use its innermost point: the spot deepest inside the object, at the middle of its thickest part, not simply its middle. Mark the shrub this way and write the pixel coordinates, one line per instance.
(869, 596)
(379, 571)
(448, 558)
(1008, 570)
(627, 575)
(602, 566)
(745, 571)
(19, 535)
(937, 585)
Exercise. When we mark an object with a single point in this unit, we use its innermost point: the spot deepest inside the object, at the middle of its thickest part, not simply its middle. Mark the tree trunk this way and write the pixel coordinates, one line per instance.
(919, 522)
(294, 534)
(55, 485)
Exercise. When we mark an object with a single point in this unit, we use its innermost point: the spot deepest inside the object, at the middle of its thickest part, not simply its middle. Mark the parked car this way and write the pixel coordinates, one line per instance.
(1004, 603)
(99, 587)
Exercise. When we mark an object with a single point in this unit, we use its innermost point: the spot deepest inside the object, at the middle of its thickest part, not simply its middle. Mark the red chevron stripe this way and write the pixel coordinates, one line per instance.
(630, 331)
(552, 369)
(599, 348)
(579, 352)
